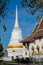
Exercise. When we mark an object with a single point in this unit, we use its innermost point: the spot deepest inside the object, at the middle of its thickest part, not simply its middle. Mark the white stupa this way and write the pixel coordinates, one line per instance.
(15, 47)
(16, 35)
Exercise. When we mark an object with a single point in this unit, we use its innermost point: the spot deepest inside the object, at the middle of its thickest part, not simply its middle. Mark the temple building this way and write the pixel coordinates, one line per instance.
(34, 43)
(15, 48)
(31, 46)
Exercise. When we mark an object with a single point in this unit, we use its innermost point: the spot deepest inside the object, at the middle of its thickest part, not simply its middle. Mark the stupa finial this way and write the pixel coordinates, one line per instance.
(16, 20)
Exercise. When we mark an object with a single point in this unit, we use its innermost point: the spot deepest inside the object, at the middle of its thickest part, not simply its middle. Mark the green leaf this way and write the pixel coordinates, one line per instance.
(0, 39)
(4, 27)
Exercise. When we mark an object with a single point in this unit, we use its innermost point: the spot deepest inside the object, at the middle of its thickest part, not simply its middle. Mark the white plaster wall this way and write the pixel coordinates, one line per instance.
(36, 42)
(18, 52)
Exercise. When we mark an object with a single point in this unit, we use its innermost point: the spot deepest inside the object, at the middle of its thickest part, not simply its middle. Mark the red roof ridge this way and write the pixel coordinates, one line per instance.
(38, 30)
(40, 24)
(35, 28)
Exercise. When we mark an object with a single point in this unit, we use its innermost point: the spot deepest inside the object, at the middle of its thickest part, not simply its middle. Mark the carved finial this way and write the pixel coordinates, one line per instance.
(41, 19)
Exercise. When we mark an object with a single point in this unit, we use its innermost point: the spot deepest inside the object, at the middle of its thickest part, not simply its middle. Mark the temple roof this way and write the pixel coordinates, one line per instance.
(37, 33)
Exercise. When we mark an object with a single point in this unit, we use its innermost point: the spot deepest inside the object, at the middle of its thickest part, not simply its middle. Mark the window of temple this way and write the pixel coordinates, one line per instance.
(32, 48)
(34, 42)
(26, 53)
(13, 51)
(24, 44)
(40, 39)
(12, 58)
(42, 46)
(38, 48)
(27, 46)
(17, 57)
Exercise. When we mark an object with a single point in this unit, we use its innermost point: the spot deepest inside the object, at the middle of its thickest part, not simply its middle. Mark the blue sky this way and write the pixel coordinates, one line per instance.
(26, 21)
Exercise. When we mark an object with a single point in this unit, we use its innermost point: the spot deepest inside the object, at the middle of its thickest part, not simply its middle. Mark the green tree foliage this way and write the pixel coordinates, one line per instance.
(3, 4)
(0, 39)
(1, 50)
(4, 27)
(32, 6)
(3, 11)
